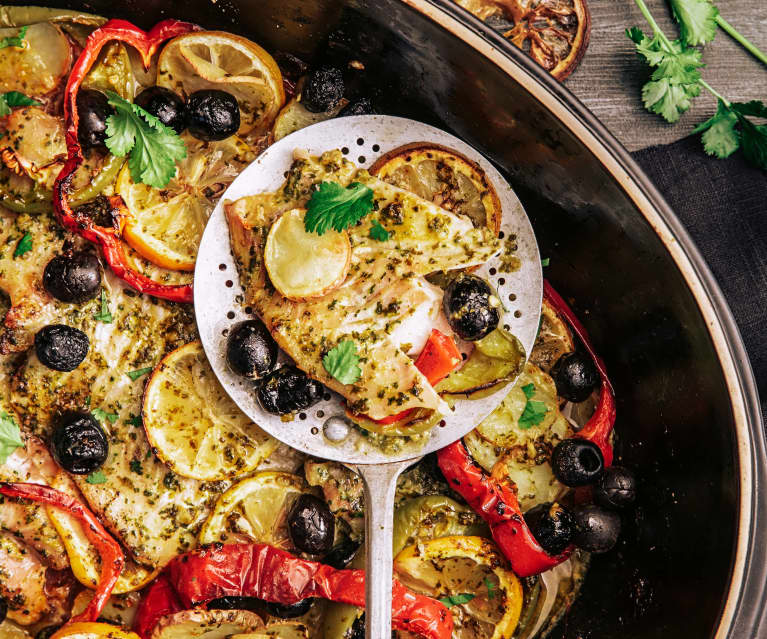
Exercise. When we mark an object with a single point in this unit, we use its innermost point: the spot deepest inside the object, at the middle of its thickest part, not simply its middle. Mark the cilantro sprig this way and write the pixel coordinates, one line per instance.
(153, 147)
(23, 246)
(10, 436)
(677, 79)
(457, 600)
(11, 99)
(17, 40)
(336, 207)
(378, 232)
(104, 315)
(96, 477)
(342, 362)
(139, 372)
(101, 415)
(534, 411)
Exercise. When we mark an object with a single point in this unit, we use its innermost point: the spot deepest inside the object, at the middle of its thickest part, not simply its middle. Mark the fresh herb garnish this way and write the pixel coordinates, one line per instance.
(545, 261)
(15, 41)
(96, 477)
(135, 466)
(135, 420)
(336, 207)
(456, 600)
(154, 148)
(528, 390)
(134, 375)
(14, 99)
(104, 315)
(490, 588)
(24, 245)
(101, 415)
(10, 436)
(534, 411)
(677, 79)
(378, 232)
(342, 362)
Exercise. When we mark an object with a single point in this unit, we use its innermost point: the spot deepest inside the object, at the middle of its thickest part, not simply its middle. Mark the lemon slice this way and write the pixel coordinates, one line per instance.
(218, 60)
(472, 577)
(255, 510)
(193, 425)
(165, 225)
(93, 630)
(554, 339)
(445, 177)
(205, 624)
(84, 558)
(283, 630)
(304, 265)
(295, 116)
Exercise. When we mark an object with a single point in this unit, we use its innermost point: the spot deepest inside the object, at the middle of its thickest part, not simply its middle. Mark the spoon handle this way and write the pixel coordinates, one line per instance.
(380, 484)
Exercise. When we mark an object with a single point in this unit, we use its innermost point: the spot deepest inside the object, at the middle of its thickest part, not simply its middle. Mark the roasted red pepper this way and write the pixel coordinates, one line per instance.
(271, 574)
(146, 43)
(159, 599)
(112, 558)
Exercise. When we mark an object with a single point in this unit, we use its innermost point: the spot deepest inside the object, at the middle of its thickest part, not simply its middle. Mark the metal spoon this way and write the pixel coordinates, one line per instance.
(324, 431)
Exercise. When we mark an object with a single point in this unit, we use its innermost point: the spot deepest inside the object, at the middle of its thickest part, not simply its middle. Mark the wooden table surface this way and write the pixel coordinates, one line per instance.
(610, 76)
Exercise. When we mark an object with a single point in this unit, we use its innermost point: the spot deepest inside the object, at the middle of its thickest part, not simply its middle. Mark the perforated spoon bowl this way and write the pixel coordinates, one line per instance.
(323, 431)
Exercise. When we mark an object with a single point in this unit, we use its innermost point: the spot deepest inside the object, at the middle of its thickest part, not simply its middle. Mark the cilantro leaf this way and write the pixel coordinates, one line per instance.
(135, 466)
(101, 415)
(135, 420)
(96, 477)
(753, 141)
(14, 99)
(378, 232)
(528, 390)
(545, 261)
(140, 372)
(697, 20)
(104, 315)
(490, 588)
(154, 148)
(15, 41)
(754, 107)
(720, 137)
(10, 436)
(456, 600)
(336, 207)
(533, 414)
(24, 245)
(342, 362)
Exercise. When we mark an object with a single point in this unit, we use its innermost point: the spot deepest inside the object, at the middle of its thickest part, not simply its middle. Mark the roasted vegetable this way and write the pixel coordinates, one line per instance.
(552, 526)
(616, 489)
(79, 444)
(311, 525)
(288, 390)
(577, 462)
(212, 114)
(471, 307)
(597, 529)
(576, 376)
(165, 105)
(323, 89)
(250, 349)
(61, 347)
(74, 277)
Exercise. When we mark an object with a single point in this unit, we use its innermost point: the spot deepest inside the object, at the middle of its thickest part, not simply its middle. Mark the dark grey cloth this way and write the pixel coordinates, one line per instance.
(723, 205)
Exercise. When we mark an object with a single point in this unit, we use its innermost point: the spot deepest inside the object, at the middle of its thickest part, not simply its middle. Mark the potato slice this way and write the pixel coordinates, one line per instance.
(206, 624)
(40, 66)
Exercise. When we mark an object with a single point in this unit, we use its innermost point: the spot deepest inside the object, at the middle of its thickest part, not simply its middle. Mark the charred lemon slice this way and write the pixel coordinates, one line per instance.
(471, 576)
(445, 177)
(255, 510)
(218, 60)
(295, 116)
(93, 630)
(304, 265)
(165, 225)
(207, 624)
(554, 339)
(193, 425)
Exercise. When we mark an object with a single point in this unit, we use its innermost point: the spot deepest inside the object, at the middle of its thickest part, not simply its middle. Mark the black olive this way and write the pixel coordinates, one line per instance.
(575, 375)
(358, 107)
(341, 555)
(250, 349)
(73, 278)
(311, 525)
(236, 603)
(79, 444)
(357, 631)
(92, 111)
(577, 462)
(288, 390)
(470, 307)
(61, 347)
(3, 609)
(616, 489)
(165, 105)
(212, 114)
(596, 529)
(47, 632)
(552, 526)
(323, 88)
(289, 611)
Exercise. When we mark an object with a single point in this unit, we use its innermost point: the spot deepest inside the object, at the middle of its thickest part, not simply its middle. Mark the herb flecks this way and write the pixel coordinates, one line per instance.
(12, 99)
(23, 246)
(17, 40)
(96, 477)
(456, 600)
(104, 315)
(140, 372)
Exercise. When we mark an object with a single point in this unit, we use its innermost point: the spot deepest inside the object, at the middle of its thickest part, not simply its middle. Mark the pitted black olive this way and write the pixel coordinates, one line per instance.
(3, 609)
(577, 462)
(596, 529)
(61, 347)
(471, 307)
(92, 111)
(236, 603)
(311, 525)
(616, 489)
(323, 88)
(289, 611)
(552, 526)
(575, 375)
(358, 107)
(47, 632)
(250, 349)
(212, 114)
(341, 555)
(165, 105)
(288, 390)
(73, 278)
(357, 630)
(79, 444)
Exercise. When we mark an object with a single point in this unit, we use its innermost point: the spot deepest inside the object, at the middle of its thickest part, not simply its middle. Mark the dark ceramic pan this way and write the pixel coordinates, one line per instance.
(693, 562)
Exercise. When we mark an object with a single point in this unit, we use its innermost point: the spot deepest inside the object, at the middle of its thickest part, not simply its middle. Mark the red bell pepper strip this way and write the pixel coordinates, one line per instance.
(601, 423)
(108, 239)
(496, 502)
(109, 550)
(438, 358)
(272, 574)
(159, 599)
